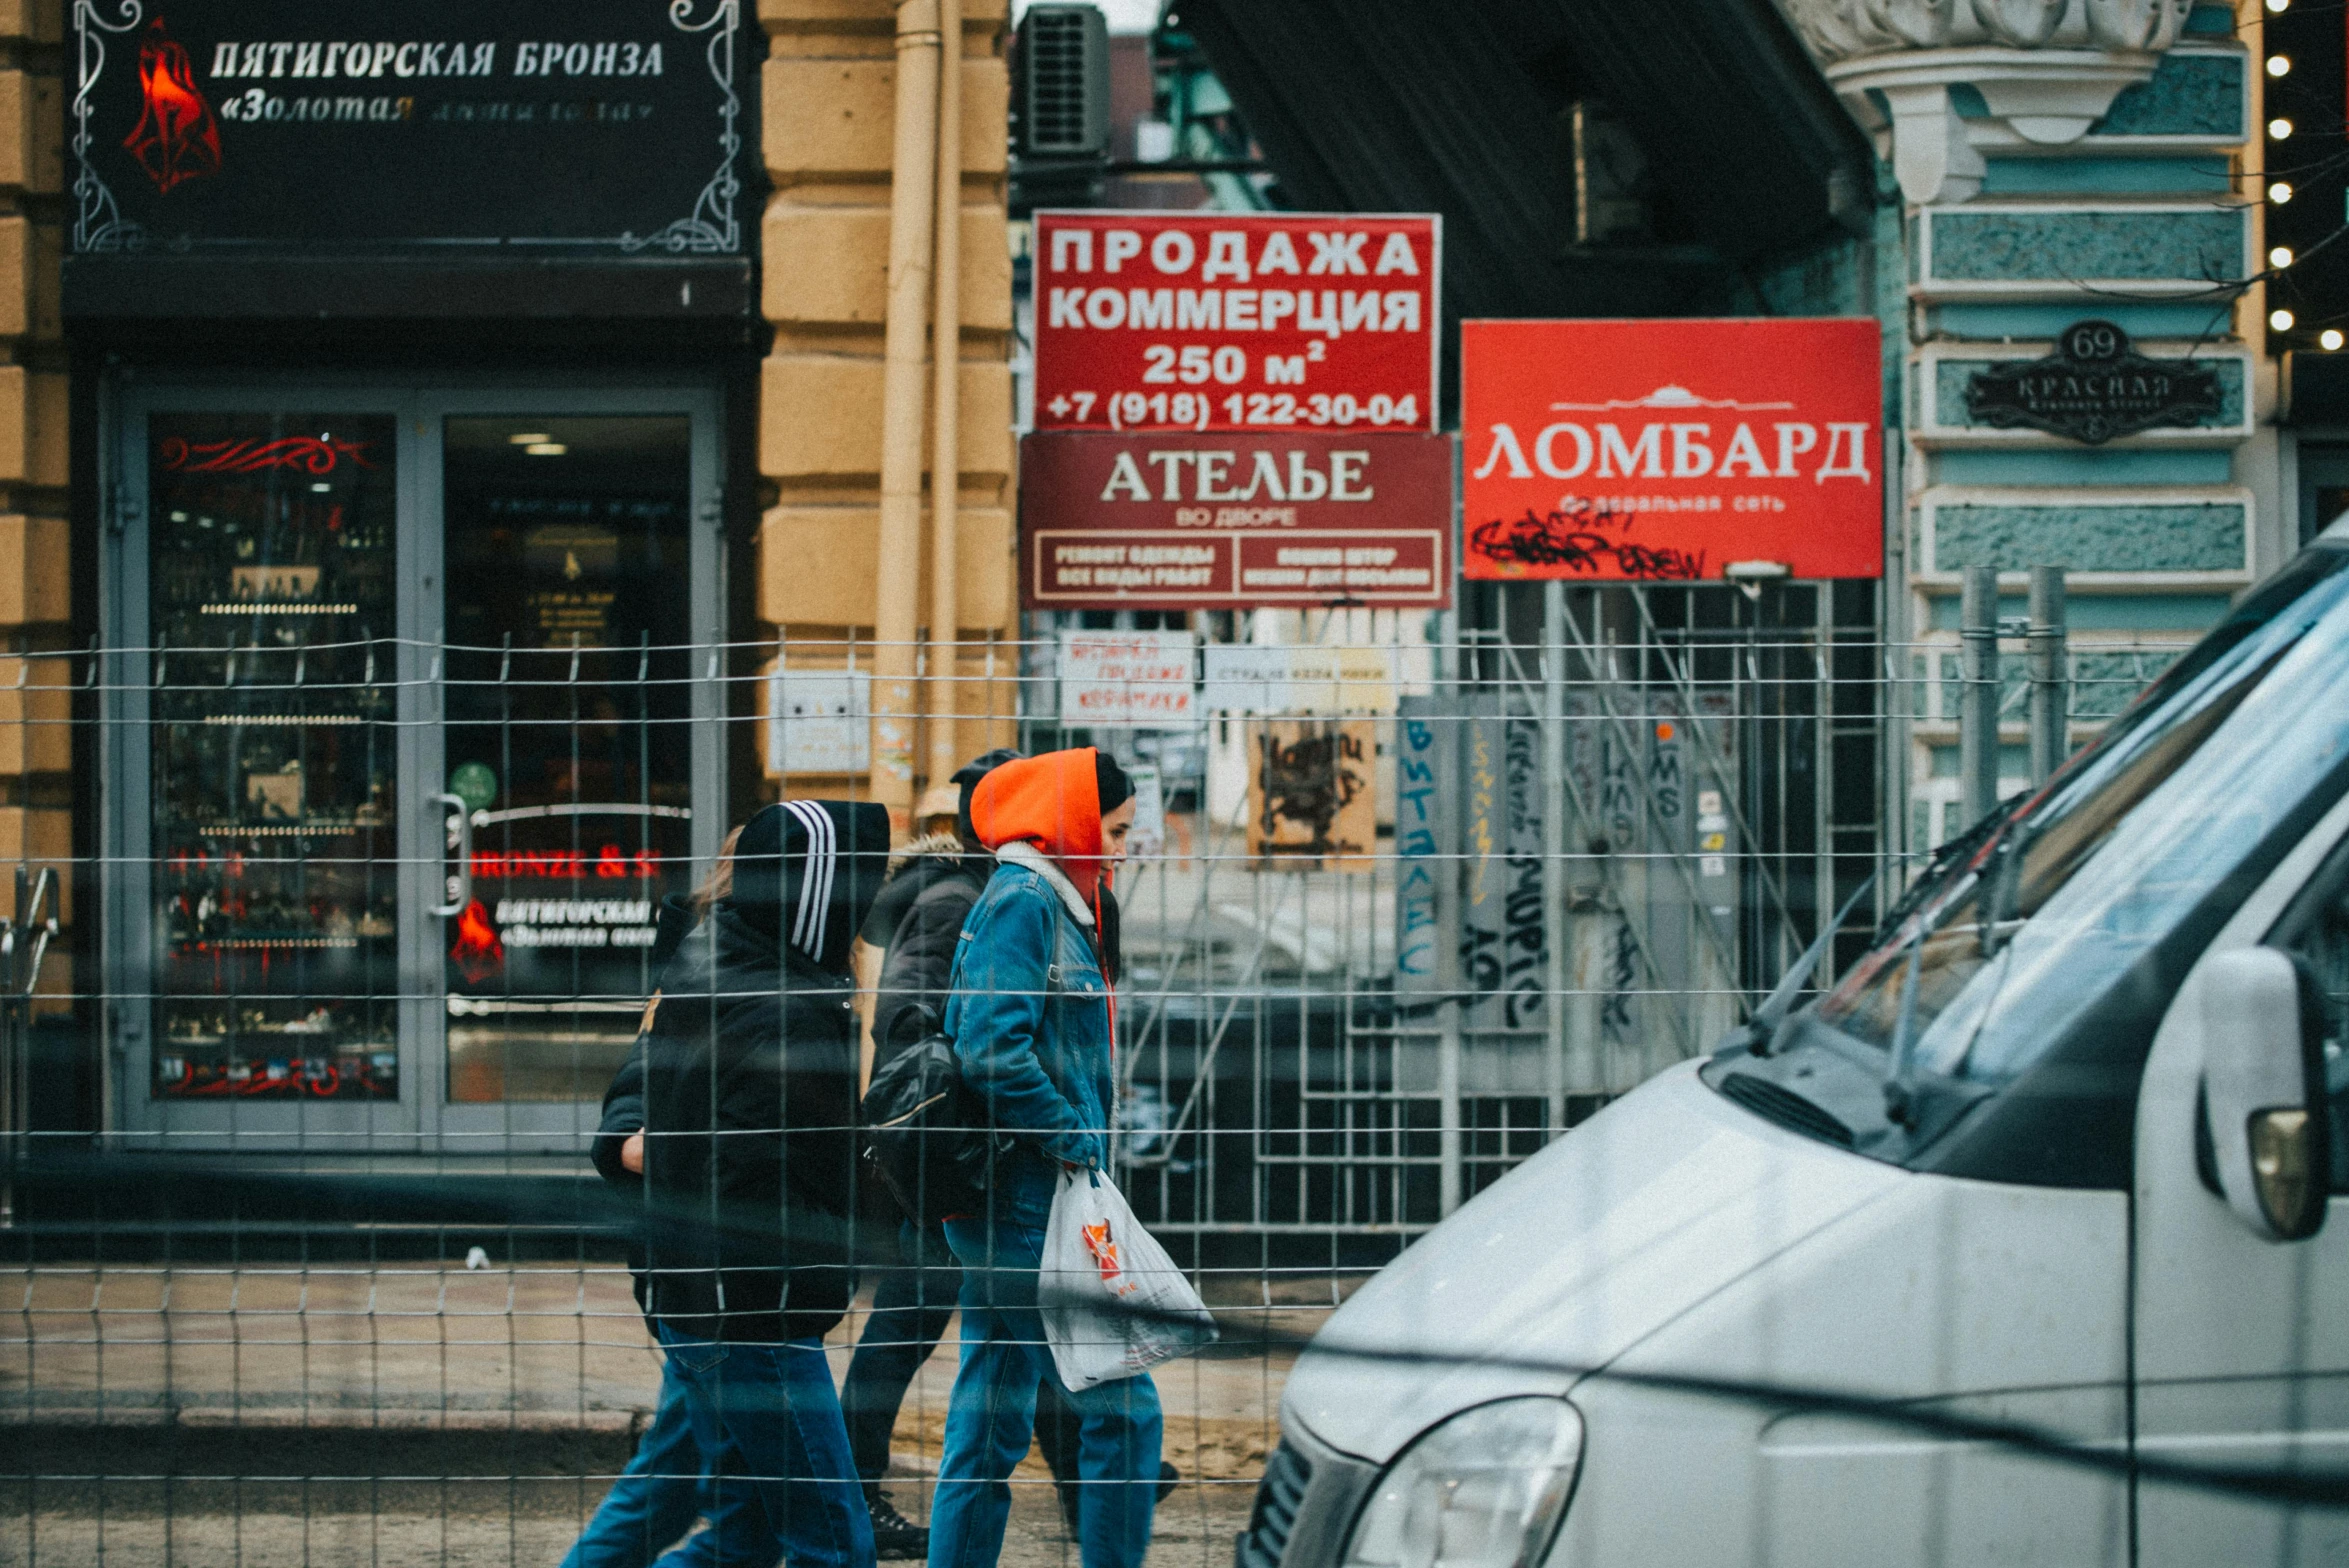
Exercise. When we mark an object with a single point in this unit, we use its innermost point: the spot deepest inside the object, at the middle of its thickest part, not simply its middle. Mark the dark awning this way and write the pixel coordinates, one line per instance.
(1458, 107)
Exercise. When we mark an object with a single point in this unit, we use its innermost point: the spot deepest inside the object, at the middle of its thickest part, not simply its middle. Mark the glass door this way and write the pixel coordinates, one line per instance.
(579, 586)
(413, 720)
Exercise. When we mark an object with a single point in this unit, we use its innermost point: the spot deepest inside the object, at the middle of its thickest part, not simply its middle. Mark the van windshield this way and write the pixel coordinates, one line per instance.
(2017, 939)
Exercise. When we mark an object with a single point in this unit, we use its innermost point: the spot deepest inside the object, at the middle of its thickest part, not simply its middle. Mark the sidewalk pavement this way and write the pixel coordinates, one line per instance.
(424, 1414)
(531, 1348)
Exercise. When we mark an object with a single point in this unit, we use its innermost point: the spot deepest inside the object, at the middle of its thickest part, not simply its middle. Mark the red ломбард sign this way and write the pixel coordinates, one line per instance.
(1627, 451)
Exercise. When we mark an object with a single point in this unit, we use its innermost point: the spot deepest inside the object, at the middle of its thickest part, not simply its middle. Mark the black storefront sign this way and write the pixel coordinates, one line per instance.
(2093, 388)
(442, 128)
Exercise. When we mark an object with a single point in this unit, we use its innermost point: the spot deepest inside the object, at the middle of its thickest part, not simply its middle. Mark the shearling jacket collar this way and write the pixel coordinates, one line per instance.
(1028, 857)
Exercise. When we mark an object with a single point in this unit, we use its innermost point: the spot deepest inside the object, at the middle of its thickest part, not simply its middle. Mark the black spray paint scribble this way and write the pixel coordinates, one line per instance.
(1622, 976)
(1575, 539)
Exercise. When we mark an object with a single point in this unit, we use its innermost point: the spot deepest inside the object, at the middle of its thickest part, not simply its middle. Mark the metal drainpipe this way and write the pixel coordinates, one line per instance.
(946, 409)
(912, 204)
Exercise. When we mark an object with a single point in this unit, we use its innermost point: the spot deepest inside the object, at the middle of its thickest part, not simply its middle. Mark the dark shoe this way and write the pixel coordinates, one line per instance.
(895, 1537)
(1168, 1479)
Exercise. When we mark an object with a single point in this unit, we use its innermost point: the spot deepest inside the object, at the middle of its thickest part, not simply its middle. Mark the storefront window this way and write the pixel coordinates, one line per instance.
(568, 703)
(272, 592)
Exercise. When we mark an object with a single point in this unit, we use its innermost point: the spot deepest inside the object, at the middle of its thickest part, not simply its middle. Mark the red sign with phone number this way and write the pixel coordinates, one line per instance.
(1159, 321)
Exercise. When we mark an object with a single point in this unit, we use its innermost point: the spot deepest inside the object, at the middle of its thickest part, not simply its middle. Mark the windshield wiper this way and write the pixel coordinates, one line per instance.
(2002, 891)
(1758, 1033)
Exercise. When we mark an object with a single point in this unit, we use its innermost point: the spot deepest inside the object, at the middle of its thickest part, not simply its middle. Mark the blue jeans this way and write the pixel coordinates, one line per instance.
(656, 1499)
(769, 1421)
(992, 1412)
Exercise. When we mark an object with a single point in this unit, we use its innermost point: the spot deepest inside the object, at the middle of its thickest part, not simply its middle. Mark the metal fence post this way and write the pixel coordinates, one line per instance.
(1978, 694)
(1450, 684)
(1554, 845)
(2050, 683)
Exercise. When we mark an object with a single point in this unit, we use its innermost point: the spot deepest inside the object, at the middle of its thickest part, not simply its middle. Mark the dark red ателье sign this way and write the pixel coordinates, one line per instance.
(1226, 321)
(1614, 451)
(1189, 522)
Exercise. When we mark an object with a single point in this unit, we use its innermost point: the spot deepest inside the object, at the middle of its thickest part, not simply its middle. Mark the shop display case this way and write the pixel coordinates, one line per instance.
(272, 593)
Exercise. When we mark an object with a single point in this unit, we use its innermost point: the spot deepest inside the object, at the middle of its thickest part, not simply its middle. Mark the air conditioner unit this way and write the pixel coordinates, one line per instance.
(1062, 83)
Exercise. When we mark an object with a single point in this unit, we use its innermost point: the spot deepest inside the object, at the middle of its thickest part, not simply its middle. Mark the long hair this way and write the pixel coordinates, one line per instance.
(720, 881)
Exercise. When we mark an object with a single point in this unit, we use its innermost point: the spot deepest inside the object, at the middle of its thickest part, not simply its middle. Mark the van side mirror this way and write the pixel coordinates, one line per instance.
(2263, 1077)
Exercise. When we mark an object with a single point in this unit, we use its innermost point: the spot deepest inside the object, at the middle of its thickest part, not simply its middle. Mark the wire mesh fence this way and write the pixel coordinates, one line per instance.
(329, 944)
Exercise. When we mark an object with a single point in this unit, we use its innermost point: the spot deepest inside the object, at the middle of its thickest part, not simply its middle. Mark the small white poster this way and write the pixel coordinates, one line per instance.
(1299, 681)
(1138, 678)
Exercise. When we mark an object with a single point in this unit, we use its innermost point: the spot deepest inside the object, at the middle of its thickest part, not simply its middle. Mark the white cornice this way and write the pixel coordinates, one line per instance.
(2046, 70)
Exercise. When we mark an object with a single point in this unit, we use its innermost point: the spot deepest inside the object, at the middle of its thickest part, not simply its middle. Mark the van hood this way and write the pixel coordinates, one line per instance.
(1668, 1195)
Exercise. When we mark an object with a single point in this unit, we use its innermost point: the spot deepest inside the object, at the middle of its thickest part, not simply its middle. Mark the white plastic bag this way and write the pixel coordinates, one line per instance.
(1113, 1302)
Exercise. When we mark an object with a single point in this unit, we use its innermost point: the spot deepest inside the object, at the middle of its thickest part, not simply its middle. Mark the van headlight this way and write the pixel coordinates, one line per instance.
(1483, 1489)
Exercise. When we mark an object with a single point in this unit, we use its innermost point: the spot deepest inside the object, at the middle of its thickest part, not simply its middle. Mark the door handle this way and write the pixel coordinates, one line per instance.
(460, 886)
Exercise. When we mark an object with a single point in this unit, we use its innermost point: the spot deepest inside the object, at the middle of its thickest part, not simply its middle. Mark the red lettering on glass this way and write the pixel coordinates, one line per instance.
(316, 454)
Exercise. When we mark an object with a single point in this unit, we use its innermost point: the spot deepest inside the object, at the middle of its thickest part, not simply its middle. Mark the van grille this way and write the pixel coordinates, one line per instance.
(1785, 1107)
(1262, 1544)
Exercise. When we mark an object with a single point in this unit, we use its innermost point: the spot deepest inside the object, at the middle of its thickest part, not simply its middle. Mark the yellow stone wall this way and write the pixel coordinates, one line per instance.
(828, 114)
(36, 601)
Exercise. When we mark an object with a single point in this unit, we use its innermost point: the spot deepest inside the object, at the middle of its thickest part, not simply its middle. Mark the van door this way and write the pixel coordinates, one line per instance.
(2242, 1344)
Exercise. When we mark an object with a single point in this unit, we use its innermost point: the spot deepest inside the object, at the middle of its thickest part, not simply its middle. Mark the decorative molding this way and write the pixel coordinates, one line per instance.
(712, 226)
(1839, 30)
(98, 223)
(2044, 70)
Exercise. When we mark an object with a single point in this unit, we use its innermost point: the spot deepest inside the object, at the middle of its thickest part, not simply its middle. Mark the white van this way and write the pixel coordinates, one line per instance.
(2013, 1248)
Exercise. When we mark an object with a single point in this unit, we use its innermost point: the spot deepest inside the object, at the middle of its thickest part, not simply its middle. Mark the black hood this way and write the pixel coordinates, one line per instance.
(807, 871)
(672, 924)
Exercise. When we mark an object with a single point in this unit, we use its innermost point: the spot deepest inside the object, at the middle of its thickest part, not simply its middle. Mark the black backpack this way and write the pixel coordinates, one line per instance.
(923, 1133)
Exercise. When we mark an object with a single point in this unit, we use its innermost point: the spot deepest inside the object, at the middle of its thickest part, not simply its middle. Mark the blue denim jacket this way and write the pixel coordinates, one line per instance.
(1029, 1017)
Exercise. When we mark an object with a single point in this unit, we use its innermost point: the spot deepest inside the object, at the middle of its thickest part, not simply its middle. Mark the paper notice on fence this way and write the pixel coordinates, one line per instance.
(1139, 678)
(1147, 841)
(1279, 679)
(1310, 801)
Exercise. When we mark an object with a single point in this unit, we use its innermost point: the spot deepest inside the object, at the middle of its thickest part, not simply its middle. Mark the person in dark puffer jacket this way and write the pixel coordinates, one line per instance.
(915, 923)
(750, 1083)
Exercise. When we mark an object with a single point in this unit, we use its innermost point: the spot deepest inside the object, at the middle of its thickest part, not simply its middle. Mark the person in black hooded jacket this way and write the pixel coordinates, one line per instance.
(654, 1502)
(750, 1082)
